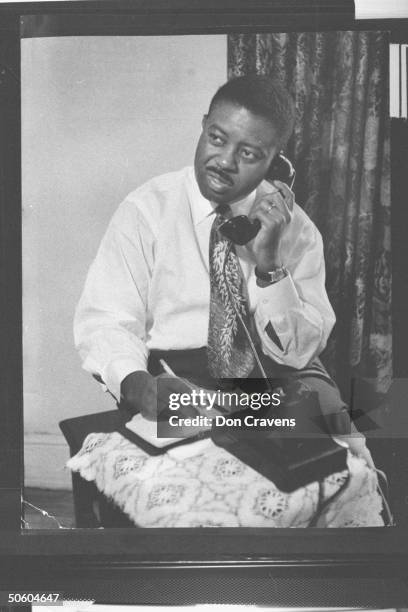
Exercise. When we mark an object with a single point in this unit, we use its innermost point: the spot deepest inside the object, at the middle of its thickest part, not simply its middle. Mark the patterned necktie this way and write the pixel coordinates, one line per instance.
(229, 352)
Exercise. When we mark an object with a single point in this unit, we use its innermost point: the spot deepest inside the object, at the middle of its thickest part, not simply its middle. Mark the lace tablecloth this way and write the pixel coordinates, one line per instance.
(205, 486)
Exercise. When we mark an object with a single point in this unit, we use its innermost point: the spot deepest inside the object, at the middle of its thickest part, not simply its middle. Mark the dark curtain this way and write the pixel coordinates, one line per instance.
(340, 149)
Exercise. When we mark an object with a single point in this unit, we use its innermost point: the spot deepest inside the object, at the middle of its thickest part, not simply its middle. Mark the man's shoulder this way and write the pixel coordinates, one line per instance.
(148, 204)
(170, 182)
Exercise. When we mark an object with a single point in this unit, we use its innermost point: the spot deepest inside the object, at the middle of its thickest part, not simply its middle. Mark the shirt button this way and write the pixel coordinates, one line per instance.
(264, 301)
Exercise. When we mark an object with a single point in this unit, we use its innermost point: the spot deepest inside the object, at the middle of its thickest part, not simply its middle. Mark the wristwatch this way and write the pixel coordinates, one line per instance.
(273, 276)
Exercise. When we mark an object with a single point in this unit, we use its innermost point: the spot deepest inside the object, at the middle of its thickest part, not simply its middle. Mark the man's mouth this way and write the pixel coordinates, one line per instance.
(218, 180)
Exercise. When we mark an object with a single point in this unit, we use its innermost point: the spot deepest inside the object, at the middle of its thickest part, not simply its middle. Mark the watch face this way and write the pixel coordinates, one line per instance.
(271, 277)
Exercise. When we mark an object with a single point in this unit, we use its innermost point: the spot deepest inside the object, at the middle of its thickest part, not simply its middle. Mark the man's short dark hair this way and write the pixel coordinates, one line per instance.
(263, 96)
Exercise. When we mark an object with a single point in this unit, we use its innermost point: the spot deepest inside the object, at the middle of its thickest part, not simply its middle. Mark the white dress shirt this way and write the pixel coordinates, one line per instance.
(149, 287)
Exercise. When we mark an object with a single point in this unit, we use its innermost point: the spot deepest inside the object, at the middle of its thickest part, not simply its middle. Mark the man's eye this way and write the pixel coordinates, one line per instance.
(248, 155)
(215, 139)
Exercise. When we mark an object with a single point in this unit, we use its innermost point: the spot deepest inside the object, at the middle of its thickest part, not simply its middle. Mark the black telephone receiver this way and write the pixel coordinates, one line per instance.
(241, 229)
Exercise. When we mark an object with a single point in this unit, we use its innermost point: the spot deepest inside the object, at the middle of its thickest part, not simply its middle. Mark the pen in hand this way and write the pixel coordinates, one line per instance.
(192, 387)
(170, 372)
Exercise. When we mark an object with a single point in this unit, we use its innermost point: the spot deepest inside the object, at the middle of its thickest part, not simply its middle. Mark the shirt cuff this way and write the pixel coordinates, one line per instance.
(276, 298)
(117, 370)
(274, 302)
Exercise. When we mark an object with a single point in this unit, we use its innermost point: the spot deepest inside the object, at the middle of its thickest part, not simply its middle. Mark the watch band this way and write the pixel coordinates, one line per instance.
(273, 276)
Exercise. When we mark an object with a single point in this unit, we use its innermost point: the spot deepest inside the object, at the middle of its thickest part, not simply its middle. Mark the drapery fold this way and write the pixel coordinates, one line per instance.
(340, 149)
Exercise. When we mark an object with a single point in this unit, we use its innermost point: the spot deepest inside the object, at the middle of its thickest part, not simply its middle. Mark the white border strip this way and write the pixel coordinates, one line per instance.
(378, 9)
(394, 80)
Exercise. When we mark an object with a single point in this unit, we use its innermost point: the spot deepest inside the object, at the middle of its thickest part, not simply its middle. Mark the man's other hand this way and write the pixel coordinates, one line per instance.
(356, 443)
(144, 393)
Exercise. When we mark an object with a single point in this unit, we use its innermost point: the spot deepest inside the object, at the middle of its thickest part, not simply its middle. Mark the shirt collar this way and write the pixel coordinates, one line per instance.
(201, 207)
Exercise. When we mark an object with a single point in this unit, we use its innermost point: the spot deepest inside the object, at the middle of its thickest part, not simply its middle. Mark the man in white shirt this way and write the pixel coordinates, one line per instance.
(148, 288)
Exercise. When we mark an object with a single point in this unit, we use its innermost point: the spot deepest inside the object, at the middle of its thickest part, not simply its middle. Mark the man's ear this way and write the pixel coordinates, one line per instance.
(272, 160)
(203, 120)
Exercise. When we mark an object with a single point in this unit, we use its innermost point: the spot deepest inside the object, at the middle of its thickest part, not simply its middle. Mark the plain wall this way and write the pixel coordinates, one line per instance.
(100, 115)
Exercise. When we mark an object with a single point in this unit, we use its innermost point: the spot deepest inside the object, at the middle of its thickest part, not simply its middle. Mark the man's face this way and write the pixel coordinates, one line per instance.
(234, 153)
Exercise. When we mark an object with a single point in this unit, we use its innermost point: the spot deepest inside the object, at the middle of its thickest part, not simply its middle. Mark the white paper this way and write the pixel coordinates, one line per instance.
(148, 431)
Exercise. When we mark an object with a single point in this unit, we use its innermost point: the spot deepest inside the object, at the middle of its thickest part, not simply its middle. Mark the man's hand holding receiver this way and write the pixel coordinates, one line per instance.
(273, 207)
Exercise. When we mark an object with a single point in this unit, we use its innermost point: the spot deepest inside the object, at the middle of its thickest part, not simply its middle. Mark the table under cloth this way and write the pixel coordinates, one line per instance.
(202, 485)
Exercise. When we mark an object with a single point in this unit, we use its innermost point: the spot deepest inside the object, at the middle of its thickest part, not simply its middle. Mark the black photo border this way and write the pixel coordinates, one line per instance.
(222, 565)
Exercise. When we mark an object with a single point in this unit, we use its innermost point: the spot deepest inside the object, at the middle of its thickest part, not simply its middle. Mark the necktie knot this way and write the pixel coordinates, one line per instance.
(222, 210)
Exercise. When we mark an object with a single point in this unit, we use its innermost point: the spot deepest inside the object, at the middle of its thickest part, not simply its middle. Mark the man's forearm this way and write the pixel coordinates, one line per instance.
(112, 354)
(292, 331)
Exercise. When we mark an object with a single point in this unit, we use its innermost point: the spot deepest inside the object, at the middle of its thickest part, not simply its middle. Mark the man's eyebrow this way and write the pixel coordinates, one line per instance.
(217, 127)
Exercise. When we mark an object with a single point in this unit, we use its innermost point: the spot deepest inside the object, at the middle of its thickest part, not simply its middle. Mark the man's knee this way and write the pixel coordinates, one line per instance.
(327, 391)
(334, 411)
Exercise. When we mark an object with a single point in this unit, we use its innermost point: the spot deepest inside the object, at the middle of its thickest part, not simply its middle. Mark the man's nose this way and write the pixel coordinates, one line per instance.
(228, 160)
